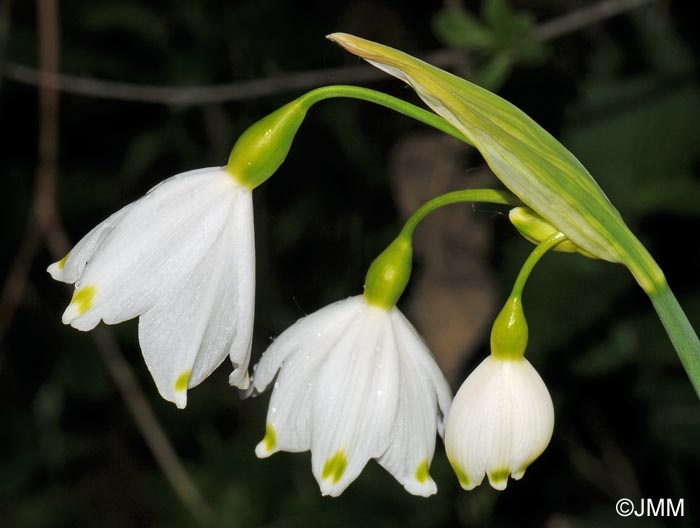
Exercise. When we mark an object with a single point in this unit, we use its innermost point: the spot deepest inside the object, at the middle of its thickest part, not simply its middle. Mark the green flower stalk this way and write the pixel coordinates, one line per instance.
(389, 273)
(543, 174)
(509, 333)
(263, 147)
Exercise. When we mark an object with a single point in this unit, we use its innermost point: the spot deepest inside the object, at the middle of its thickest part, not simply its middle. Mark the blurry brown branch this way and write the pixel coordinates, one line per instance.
(51, 229)
(16, 280)
(45, 182)
(179, 95)
(239, 91)
(147, 423)
(585, 16)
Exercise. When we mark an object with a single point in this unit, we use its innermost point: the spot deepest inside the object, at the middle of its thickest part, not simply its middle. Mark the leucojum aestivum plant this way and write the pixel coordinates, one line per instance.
(354, 380)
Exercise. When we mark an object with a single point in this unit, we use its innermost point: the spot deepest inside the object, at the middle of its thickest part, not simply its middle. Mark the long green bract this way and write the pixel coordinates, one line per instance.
(543, 174)
(525, 157)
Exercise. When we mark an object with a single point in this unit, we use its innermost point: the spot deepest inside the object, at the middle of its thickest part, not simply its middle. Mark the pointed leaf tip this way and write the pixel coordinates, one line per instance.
(533, 164)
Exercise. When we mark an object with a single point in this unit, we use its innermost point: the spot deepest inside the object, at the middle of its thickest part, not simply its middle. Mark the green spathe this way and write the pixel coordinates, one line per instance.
(527, 159)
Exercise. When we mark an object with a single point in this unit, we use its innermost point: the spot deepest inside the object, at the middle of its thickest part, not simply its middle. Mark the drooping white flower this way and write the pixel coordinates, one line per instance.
(355, 382)
(500, 421)
(182, 258)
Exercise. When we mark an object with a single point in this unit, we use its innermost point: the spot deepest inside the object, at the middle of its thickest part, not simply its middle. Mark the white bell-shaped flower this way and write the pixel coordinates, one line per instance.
(355, 382)
(182, 258)
(500, 421)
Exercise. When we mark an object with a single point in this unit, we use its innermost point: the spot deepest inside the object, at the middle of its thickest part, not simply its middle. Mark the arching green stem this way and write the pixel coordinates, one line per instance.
(532, 260)
(388, 274)
(263, 147)
(467, 195)
(382, 99)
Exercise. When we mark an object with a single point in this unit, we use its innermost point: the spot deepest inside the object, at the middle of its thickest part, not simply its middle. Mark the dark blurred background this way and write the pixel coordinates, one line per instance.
(615, 81)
